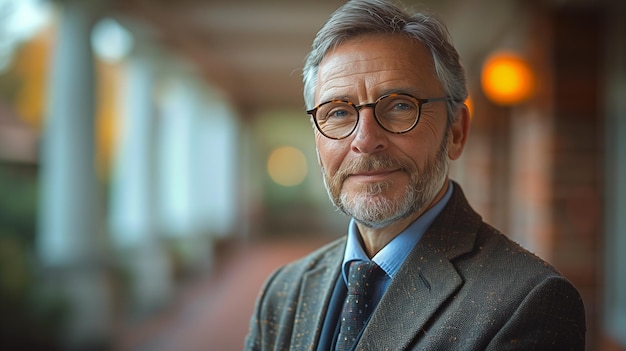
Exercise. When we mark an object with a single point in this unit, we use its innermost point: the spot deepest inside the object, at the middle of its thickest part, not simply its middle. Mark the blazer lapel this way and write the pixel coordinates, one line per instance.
(425, 281)
(316, 290)
(410, 301)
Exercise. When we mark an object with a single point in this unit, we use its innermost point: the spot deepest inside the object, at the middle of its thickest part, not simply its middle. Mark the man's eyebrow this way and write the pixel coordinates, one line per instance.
(337, 97)
(406, 90)
(410, 91)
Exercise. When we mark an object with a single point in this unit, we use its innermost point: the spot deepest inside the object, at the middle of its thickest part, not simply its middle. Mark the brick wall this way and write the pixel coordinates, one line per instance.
(577, 40)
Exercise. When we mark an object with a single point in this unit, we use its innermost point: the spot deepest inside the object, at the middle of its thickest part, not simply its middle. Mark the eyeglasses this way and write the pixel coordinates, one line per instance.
(395, 113)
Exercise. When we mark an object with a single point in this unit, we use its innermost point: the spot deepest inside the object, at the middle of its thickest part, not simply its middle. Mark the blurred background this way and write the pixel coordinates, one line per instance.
(156, 163)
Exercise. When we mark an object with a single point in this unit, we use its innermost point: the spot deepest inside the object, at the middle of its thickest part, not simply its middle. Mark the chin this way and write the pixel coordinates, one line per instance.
(377, 210)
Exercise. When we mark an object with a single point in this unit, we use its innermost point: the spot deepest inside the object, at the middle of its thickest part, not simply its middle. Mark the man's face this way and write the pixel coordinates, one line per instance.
(372, 175)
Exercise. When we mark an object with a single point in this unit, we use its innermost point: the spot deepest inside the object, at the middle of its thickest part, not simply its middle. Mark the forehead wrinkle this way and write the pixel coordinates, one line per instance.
(349, 71)
(337, 69)
(344, 87)
(336, 88)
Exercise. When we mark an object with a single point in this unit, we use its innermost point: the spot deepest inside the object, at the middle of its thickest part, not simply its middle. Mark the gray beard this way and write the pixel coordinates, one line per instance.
(378, 211)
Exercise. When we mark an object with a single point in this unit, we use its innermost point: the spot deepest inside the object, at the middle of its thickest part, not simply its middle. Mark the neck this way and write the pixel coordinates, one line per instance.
(375, 239)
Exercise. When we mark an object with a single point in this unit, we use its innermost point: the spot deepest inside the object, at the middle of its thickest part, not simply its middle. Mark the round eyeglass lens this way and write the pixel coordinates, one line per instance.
(337, 119)
(397, 113)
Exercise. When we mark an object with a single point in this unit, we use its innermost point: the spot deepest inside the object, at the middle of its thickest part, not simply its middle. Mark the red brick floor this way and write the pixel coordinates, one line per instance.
(213, 313)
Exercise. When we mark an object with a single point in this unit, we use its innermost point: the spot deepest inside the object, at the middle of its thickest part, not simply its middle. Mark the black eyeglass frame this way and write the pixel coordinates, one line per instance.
(358, 108)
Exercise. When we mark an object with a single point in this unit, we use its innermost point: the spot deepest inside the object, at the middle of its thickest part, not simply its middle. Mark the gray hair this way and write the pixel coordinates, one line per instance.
(362, 17)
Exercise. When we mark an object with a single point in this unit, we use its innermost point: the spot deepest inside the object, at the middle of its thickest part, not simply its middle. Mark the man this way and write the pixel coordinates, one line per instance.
(386, 92)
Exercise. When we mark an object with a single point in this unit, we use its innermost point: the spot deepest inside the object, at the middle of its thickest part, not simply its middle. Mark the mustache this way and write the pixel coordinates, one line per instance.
(373, 163)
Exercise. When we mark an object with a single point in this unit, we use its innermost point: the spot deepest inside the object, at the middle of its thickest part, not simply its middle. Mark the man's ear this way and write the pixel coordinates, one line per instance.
(459, 131)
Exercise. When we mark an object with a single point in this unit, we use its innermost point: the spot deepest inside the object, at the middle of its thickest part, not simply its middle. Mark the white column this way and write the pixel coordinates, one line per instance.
(198, 164)
(177, 160)
(70, 227)
(214, 173)
(133, 189)
(175, 157)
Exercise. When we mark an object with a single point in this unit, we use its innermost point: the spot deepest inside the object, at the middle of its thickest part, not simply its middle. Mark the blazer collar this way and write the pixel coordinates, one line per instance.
(425, 280)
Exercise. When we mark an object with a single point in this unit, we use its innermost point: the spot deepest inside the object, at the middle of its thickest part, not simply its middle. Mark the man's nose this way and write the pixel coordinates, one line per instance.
(369, 136)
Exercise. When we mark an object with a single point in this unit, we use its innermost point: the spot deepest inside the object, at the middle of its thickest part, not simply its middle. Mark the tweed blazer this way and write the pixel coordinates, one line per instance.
(465, 286)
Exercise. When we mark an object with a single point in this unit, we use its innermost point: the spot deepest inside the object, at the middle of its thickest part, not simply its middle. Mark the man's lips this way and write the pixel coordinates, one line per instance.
(373, 175)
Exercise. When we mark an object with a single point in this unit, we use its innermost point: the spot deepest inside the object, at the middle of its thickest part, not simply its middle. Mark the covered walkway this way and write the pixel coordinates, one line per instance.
(136, 165)
(212, 312)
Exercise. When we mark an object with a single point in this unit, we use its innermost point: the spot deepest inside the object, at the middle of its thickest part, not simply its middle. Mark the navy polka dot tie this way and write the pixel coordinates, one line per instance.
(358, 305)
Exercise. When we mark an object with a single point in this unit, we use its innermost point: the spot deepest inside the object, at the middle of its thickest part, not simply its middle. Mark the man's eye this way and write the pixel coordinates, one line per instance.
(339, 113)
(402, 106)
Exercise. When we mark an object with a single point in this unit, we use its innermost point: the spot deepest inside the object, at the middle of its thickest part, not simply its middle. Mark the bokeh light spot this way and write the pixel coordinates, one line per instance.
(287, 166)
(507, 79)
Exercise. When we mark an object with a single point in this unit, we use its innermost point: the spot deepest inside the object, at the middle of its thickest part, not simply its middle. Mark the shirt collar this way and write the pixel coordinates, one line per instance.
(391, 257)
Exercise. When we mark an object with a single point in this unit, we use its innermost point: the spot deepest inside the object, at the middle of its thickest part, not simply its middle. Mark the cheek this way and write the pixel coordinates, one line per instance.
(419, 152)
(424, 144)
(431, 129)
(329, 153)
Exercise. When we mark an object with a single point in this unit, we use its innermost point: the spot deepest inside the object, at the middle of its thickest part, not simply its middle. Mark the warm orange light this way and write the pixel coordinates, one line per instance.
(507, 79)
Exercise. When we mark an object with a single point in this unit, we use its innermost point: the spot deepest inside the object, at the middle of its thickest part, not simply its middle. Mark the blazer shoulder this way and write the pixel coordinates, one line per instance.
(521, 261)
(323, 256)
